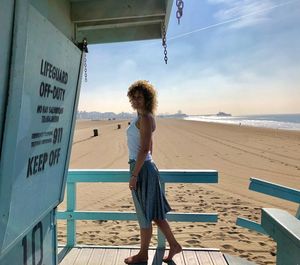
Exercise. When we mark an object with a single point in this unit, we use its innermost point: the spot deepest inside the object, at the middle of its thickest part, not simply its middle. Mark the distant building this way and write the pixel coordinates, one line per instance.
(223, 114)
(94, 115)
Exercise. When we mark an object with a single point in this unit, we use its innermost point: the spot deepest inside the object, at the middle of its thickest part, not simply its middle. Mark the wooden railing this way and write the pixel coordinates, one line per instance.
(119, 176)
(283, 227)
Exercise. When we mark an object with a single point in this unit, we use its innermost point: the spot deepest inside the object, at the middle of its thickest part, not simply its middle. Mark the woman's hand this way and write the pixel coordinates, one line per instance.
(132, 182)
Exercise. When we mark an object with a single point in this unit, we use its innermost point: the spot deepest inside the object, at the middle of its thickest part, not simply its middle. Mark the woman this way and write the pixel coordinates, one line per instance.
(150, 203)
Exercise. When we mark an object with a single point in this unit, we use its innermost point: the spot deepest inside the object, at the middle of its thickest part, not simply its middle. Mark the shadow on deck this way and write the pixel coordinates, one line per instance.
(96, 255)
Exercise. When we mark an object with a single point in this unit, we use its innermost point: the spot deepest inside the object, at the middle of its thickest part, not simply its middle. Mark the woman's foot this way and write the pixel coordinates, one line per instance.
(172, 252)
(139, 258)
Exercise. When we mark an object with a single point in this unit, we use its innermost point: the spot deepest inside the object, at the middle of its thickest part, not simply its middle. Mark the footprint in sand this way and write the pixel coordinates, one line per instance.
(259, 257)
(207, 233)
(262, 244)
(135, 239)
(233, 232)
(210, 225)
(224, 228)
(227, 246)
(193, 241)
(245, 241)
(113, 233)
(195, 235)
(243, 236)
(245, 208)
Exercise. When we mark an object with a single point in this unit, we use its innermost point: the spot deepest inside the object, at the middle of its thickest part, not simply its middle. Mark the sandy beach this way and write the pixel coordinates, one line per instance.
(237, 152)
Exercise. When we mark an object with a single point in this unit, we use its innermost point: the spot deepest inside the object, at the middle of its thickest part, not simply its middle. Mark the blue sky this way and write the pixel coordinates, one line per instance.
(236, 56)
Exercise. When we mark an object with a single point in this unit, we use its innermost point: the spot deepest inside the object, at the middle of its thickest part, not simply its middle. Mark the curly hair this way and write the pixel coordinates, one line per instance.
(148, 91)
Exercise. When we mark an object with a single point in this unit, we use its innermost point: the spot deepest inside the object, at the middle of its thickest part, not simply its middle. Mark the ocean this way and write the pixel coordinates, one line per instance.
(274, 121)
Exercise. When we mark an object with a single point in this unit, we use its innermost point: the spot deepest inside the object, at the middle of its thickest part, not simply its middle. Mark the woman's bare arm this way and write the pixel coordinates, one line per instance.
(145, 142)
(146, 122)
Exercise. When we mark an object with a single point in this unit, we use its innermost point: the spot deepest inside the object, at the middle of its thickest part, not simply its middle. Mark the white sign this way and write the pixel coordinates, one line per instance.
(40, 114)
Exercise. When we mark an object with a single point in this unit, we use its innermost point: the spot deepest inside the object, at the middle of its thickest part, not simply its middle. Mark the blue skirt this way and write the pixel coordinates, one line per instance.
(149, 201)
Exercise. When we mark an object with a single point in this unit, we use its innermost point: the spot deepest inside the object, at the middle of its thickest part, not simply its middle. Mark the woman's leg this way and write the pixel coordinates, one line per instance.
(146, 234)
(174, 245)
(142, 256)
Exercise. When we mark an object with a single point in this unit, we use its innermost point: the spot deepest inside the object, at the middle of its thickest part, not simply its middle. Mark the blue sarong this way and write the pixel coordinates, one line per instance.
(149, 200)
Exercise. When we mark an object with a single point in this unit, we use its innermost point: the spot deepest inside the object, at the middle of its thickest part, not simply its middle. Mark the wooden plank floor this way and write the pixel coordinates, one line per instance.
(116, 256)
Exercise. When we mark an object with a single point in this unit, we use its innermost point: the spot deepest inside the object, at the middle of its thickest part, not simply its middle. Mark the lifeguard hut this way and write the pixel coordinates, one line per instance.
(42, 57)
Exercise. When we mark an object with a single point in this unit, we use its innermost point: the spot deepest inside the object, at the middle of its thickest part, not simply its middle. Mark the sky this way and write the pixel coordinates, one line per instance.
(237, 56)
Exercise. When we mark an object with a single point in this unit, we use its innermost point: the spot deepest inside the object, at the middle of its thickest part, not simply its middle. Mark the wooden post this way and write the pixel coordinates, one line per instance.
(71, 207)
(95, 132)
(161, 240)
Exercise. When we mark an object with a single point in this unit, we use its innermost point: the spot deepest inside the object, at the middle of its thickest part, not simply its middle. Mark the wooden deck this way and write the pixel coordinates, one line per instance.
(115, 256)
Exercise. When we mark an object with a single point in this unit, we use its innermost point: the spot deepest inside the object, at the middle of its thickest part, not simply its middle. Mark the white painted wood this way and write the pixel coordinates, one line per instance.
(96, 256)
(190, 257)
(110, 257)
(71, 257)
(232, 260)
(284, 228)
(179, 259)
(105, 10)
(121, 255)
(116, 255)
(204, 258)
(217, 258)
(84, 256)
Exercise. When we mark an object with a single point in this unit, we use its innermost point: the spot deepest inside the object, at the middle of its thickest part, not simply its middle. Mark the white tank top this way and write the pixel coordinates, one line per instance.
(133, 141)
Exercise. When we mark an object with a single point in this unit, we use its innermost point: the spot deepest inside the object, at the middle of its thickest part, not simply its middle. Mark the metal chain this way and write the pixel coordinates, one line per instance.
(85, 68)
(85, 50)
(180, 5)
(164, 42)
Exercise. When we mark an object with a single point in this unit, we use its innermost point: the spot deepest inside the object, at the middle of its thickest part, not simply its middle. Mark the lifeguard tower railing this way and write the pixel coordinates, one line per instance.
(122, 176)
(283, 227)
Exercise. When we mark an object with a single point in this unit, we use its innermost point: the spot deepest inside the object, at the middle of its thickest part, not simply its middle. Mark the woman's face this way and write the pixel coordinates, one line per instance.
(138, 101)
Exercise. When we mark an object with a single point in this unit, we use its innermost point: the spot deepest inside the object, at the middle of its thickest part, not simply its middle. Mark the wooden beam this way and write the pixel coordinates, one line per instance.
(284, 228)
(131, 216)
(93, 10)
(119, 34)
(243, 222)
(119, 23)
(275, 190)
(122, 175)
